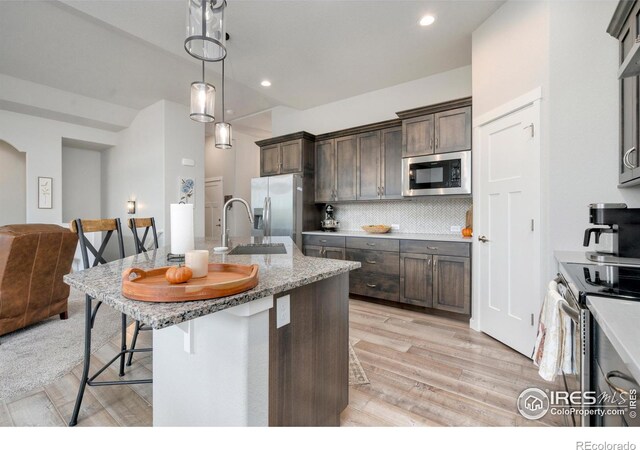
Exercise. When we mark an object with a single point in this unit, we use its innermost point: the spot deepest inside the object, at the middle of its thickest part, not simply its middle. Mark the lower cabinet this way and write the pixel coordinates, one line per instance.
(431, 274)
(436, 281)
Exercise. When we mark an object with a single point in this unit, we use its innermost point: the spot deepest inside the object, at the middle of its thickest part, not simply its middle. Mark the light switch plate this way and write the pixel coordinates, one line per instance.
(395, 226)
(283, 312)
(456, 228)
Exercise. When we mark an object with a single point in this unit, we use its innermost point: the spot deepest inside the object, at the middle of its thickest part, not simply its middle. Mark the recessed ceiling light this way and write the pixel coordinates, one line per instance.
(265, 83)
(427, 20)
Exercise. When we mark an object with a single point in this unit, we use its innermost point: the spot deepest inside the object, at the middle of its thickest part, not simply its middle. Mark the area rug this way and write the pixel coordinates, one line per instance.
(39, 354)
(357, 374)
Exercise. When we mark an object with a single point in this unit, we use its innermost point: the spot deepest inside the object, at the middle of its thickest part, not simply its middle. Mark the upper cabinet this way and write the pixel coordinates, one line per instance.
(379, 164)
(441, 128)
(336, 169)
(292, 153)
(624, 26)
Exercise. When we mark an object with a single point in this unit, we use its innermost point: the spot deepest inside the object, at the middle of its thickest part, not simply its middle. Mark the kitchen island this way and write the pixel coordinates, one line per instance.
(274, 355)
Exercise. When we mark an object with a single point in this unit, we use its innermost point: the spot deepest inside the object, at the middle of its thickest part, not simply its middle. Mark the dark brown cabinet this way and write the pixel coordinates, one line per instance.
(287, 154)
(336, 169)
(441, 128)
(452, 284)
(625, 26)
(318, 251)
(379, 164)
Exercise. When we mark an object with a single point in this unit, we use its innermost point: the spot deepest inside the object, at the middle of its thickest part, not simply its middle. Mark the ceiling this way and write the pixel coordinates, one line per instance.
(131, 52)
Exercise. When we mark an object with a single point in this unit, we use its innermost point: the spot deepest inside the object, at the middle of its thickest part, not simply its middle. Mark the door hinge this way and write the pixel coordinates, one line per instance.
(532, 129)
(532, 319)
(533, 227)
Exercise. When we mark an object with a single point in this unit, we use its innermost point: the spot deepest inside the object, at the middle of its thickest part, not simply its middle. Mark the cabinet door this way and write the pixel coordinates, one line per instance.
(416, 279)
(417, 136)
(333, 252)
(453, 130)
(452, 284)
(628, 111)
(346, 156)
(325, 171)
(313, 250)
(368, 164)
(391, 170)
(270, 160)
(291, 156)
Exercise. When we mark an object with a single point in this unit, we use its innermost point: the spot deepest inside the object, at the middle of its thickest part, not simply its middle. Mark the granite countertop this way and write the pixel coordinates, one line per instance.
(277, 273)
(619, 320)
(395, 235)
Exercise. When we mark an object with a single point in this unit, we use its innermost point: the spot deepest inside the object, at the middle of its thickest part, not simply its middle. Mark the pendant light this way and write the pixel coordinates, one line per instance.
(223, 129)
(203, 100)
(206, 37)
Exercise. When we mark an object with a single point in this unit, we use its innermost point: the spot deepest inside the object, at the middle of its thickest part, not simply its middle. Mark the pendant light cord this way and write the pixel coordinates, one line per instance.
(203, 80)
(223, 91)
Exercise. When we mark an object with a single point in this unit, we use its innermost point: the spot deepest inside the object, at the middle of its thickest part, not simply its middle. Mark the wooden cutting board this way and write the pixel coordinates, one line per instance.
(221, 281)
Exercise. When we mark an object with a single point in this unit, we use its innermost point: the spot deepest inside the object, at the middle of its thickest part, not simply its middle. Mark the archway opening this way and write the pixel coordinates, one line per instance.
(13, 185)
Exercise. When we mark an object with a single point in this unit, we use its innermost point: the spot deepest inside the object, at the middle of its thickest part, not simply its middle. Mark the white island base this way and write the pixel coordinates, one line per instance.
(214, 370)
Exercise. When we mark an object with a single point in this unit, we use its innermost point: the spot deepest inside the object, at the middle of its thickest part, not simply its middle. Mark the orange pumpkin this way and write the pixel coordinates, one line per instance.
(467, 232)
(178, 274)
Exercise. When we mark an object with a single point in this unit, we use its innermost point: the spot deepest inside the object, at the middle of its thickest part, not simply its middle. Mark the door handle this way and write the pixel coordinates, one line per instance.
(625, 158)
(483, 239)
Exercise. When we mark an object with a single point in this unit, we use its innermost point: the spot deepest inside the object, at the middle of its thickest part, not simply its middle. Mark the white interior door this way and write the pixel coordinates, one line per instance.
(508, 232)
(213, 202)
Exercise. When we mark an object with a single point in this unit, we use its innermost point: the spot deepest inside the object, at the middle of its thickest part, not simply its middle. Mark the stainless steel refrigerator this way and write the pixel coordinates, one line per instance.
(278, 206)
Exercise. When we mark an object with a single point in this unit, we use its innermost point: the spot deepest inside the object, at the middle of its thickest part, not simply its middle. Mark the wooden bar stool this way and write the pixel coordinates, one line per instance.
(108, 226)
(149, 224)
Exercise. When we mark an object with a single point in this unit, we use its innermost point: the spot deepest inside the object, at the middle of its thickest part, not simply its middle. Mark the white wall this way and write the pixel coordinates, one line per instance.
(81, 184)
(41, 140)
(237, 166)
(13, 189)
(374, 106)
(584, 132)
(183, 138)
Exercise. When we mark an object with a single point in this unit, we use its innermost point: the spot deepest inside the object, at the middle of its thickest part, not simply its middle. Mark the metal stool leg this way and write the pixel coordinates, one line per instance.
(123, 343)
(87, 361)
(133, 341)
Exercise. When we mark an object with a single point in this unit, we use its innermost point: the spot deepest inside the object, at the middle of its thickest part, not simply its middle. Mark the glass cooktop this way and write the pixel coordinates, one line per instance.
(608, 281)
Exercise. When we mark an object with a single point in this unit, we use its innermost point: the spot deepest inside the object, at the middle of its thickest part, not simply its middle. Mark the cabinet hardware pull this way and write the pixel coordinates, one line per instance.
(381, 190)
(622, 376)
(432, 248)
(323, 240)
(369, 262)
(372, 285)
(431, 144)
(371, 244)
(625, 158)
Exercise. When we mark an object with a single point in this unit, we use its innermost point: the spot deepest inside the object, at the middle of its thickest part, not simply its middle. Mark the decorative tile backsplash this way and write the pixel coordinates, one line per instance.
(433, 215)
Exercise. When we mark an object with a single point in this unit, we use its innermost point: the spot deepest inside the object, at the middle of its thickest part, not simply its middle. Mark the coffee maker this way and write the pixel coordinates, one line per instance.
(624, 225)
(329, 223)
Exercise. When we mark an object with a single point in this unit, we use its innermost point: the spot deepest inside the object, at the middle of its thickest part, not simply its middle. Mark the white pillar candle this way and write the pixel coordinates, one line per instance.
(198, 262)
(181, 228)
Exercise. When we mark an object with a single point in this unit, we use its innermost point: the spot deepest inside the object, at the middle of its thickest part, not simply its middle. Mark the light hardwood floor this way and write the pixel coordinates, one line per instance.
(424, 371)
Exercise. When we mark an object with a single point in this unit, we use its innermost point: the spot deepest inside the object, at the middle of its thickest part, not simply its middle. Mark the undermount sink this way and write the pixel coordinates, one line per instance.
(259, 249)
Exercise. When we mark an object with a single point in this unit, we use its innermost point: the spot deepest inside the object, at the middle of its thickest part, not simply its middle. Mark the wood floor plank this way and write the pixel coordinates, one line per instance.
(63, 396)
(136, 371)
(363, 335)
(352, 417)
(121, 402)
(5, 417)
(35, 410)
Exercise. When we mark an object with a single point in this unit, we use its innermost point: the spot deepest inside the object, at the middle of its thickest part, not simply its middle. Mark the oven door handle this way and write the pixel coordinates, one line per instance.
(574, 314)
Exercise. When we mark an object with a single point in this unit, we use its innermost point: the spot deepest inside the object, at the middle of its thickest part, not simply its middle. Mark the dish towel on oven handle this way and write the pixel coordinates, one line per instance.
(553, 351)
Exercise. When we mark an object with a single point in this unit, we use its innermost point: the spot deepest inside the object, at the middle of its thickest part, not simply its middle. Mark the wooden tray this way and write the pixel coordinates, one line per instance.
(222, 280)
(376, 229)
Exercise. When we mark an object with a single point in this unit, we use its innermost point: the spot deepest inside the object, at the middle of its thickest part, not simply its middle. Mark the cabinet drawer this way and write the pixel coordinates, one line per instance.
(436, 248)
(375, 261)
(323, 240)
(374, 285)
(616, 371)
(383, 244)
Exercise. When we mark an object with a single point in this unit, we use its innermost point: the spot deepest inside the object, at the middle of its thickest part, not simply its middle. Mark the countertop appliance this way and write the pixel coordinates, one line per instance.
(329, 223)
(624, 226)
(277, 204)
(579, 281)
(440, 174)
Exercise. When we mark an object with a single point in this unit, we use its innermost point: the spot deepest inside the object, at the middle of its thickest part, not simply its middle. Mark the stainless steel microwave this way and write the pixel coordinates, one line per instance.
(441, 174)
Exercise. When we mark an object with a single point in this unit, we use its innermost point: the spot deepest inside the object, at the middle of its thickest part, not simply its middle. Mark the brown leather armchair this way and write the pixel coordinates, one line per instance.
(33, 260)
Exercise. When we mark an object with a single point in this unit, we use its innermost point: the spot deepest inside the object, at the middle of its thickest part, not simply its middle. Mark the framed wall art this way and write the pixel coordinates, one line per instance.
(45, 192)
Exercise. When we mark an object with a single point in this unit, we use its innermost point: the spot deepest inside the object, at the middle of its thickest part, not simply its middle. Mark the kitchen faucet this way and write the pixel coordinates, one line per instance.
(225, 209)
